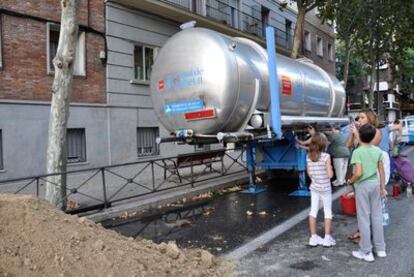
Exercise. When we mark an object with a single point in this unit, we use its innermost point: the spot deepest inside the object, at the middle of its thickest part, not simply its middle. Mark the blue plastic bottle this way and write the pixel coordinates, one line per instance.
(385, 214)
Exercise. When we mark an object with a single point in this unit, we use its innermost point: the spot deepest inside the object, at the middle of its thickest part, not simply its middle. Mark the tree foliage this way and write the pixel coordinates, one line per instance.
(348, 16)
(386, 35)
(356, 66)
(405, 75)
(377, 31)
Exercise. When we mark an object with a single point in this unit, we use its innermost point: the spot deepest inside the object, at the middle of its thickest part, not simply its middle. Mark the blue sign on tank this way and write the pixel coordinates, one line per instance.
(183, 107)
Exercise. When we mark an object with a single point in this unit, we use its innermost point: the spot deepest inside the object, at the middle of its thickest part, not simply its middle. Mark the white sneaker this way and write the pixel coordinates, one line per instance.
(328, 241)
(381, 254)
(362, 256)
(315, 240)
(335, 183)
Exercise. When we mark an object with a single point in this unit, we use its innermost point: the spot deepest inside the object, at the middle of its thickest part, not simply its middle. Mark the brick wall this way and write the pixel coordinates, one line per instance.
(24, 74)
(91, 12)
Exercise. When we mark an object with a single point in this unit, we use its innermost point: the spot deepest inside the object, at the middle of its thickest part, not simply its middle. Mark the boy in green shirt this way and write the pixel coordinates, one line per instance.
(367, 162)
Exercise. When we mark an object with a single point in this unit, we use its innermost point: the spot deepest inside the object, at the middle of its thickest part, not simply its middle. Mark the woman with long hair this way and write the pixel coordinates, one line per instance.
(381, 139)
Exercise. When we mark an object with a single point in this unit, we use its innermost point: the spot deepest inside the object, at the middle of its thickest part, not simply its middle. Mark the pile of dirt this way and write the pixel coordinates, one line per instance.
(39, 240)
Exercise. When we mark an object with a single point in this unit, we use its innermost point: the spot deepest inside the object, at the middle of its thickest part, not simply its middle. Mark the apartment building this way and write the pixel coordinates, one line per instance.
(111, 117)
(29, 38)
(390, 101)
(136, 30)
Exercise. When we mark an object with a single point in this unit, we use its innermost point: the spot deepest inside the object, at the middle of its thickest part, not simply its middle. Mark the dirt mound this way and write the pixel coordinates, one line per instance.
(39, 240)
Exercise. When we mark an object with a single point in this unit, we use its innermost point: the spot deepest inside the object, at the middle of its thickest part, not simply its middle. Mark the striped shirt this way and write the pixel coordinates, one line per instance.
(319, 174)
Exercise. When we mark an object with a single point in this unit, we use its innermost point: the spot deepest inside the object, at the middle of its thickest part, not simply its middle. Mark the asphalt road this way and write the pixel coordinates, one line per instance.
(289, 255)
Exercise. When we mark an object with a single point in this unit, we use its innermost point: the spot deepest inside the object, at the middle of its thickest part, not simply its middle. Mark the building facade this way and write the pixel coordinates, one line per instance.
(111, 117)
(29, 36)
(391, 102)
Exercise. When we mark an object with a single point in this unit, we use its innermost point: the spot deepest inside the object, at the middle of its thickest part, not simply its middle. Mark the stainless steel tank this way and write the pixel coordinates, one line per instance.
(208, 82)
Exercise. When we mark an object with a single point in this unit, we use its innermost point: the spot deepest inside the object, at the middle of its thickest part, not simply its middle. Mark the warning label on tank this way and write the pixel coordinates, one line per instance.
(286, 86)
(183, 107)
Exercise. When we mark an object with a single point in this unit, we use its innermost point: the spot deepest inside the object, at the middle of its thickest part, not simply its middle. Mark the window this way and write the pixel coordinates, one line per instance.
(234, 17)
(143, 60)
(76, 145)
(1, 59)
(1, 151)
(308, 41)
(53, 31)
(146, 141)
(265, 16)
(288, 31)
(330, 52)
(319, 47)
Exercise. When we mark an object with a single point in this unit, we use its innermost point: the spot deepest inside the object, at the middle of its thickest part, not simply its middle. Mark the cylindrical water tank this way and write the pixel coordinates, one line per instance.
(208, 82)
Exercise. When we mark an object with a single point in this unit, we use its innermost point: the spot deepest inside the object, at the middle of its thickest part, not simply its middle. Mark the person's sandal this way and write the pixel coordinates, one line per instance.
(354, 237)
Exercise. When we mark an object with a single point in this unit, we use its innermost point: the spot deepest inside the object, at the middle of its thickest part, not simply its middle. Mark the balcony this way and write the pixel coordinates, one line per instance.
(391, 105)
(355, 106)
(219, 15)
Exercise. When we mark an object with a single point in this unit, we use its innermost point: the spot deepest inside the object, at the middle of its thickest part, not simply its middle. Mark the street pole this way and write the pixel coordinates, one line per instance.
(380, 96)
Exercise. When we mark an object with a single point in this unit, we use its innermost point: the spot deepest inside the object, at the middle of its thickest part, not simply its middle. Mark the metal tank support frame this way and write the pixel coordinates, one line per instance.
(279, 152)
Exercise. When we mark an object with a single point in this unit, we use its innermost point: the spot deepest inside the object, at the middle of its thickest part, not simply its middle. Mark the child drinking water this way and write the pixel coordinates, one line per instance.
(319, 169)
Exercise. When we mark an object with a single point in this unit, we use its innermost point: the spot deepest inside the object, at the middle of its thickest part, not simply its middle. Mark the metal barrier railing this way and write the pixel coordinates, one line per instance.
(98, 188)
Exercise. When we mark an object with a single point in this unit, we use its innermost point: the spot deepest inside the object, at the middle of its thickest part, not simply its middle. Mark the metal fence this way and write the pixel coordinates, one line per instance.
(252, 20)
(101, 187)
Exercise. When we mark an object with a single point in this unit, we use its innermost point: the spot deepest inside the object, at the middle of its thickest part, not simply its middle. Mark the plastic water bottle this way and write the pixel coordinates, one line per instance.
(409, 190)
(385, 214)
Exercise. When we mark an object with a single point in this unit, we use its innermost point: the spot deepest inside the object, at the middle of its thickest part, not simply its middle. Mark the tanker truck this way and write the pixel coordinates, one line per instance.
(204, 83)
(207, 87)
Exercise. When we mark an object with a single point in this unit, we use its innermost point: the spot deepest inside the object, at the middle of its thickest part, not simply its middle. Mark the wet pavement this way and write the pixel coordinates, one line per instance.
(222, 223)
(289, 255)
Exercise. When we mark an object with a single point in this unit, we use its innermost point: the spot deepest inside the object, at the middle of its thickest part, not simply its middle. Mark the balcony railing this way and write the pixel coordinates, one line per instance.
(356, 106)
(252, 20)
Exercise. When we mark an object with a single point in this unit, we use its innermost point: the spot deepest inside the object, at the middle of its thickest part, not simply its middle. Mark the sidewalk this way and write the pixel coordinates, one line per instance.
(289, 255)
(154, 200)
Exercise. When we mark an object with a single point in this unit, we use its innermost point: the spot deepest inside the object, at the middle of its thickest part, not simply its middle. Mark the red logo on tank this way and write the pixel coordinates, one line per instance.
(161, 84)
(286, 86)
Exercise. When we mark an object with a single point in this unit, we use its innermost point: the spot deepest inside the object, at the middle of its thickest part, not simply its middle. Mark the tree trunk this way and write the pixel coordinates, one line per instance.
(59, 111)
(371, 85)
(346, 61)
(297, 37)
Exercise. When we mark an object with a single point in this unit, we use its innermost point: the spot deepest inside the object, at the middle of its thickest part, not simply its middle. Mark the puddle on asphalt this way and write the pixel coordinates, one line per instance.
(305, 265)
(219, 224)
(161, 226)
